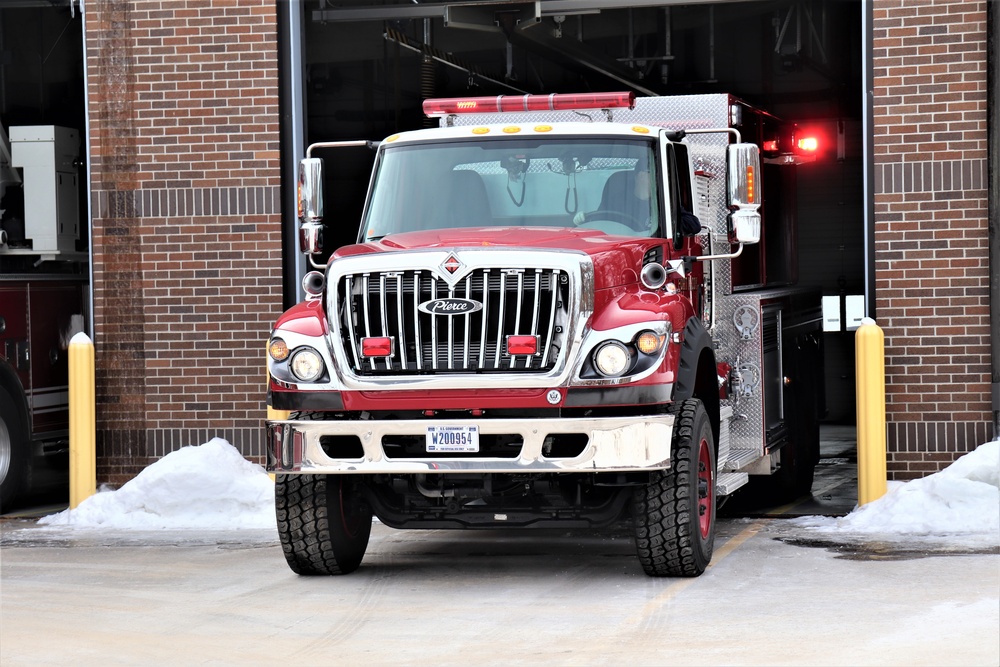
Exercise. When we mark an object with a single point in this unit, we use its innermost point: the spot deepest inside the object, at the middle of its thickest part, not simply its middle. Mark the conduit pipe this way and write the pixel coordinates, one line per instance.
(993, 195)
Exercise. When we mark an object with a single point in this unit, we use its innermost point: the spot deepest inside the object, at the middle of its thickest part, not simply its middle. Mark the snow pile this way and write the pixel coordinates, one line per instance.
(212, 487)
(207, 487)
(962, 502)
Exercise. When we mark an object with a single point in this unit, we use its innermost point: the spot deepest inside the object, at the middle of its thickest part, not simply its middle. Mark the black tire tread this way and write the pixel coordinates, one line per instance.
(303, 524)
(302, 505)
(665, 539)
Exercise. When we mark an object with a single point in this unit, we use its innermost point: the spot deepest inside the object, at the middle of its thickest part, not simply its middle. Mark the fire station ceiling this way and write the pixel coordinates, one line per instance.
(369, 64)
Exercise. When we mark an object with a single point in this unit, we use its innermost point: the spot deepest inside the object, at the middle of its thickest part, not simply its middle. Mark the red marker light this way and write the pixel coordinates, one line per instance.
(522, 345)
(770, 146)
(504, 103)
(808, 144)
(376, 347)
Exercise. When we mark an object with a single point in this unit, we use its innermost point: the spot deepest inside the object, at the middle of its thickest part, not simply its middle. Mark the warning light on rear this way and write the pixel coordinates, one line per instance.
(808, 144)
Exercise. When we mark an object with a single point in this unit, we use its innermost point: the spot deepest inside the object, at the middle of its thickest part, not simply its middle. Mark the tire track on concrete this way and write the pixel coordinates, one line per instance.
(650, 618)
(331, 593)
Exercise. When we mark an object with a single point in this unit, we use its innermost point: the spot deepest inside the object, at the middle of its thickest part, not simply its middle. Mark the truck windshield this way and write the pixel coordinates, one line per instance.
(596, 183)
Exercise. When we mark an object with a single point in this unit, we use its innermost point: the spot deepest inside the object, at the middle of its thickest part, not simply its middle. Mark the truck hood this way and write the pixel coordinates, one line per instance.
(616, 258)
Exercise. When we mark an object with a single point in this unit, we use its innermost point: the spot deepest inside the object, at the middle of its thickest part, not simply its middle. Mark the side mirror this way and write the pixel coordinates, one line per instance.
(311, 238)
(310, 205)
(311, 189)
(744, 192)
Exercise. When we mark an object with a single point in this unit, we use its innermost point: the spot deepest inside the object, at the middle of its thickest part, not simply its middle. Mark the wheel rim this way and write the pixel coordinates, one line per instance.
(706, 489)
(5, 450)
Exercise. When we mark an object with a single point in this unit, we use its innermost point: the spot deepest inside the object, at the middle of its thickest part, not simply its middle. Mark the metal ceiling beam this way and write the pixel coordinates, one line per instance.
(574, 53)
(437, 10)
(446, 59)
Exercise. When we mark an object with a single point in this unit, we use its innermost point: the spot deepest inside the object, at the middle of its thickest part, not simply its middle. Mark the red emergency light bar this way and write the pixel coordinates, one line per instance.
(504, 103)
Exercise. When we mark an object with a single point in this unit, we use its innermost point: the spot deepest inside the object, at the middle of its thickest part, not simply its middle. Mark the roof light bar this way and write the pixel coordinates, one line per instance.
(435, 108)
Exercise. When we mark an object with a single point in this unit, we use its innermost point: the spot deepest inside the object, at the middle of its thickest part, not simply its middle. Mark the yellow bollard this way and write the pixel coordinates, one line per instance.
(870, 367)
(82, 426)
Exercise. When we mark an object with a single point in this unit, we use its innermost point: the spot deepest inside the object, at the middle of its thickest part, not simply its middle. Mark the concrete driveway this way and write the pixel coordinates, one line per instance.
(490, 598)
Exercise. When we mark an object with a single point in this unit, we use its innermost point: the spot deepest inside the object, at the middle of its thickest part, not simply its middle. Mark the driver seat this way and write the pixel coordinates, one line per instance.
(466, 200)
(619, 194)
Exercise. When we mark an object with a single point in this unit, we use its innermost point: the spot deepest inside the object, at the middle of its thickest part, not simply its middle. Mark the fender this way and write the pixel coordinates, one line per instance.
(697, 376)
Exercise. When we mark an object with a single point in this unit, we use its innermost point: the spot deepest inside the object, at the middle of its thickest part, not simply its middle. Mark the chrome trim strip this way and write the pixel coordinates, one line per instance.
(486, 305)
(500, 318)
(347, 314)
(418, 348)
(517, 317)
(468, 320)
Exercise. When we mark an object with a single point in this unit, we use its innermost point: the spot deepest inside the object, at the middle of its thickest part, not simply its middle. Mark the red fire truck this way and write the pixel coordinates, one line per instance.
(561, 311)
(42, 295)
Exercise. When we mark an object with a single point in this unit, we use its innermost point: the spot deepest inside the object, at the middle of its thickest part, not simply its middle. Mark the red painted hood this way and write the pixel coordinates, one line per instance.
(616, 258)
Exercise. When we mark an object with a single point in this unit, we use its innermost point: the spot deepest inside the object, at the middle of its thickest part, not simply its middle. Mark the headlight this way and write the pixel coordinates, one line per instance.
(306, 364)
(612, 359)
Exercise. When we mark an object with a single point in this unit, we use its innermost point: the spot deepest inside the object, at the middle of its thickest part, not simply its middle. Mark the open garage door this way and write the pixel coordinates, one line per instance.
(366, 67)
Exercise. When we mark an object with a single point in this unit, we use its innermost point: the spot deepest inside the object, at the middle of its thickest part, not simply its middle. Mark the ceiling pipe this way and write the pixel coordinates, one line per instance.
(537, 37)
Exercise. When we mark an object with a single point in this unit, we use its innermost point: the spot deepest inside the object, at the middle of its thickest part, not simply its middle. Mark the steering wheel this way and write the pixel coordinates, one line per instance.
(613, 216)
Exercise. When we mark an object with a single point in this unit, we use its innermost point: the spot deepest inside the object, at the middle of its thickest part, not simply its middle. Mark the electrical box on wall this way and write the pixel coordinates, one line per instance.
(831, 313)
(854, 307)
(48, 155)
(843, 312)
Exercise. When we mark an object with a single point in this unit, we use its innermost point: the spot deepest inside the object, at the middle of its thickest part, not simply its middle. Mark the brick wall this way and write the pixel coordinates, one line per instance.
(186, 222)
(931, 233)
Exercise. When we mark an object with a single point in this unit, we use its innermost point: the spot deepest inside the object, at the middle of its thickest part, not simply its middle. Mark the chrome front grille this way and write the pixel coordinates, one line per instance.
(528, 302)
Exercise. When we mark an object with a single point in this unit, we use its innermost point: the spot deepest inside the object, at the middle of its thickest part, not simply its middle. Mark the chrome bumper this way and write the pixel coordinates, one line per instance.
(614, 444)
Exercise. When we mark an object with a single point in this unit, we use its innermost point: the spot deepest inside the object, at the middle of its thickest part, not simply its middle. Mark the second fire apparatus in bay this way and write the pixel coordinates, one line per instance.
(562, 311)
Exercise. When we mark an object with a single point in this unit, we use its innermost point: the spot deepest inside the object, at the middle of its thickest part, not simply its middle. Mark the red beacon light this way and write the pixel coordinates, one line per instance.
(796, 150)
(437, 107)
(808, 144)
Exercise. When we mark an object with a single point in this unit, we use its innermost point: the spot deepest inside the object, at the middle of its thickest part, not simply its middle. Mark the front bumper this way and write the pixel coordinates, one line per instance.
(613, 444)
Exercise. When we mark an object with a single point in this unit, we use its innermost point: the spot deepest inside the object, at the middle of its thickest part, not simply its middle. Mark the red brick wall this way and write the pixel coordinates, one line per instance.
(931, 234)
(186, 222)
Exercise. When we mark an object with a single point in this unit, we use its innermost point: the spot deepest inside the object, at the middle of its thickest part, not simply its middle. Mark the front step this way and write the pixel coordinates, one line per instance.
(739, 458)
(728, 482)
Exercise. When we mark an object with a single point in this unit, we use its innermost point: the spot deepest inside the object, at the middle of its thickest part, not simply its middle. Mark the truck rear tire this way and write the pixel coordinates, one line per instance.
(15, 455)
(324, 522)
(673, 516)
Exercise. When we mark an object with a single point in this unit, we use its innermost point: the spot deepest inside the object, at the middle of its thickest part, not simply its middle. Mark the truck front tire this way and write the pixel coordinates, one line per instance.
(324, 522)
(673, 516)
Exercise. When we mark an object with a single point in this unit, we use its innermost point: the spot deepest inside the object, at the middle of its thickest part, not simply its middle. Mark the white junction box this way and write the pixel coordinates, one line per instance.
(853, 312)
(855, 309)
(831, 313)
(48, 154)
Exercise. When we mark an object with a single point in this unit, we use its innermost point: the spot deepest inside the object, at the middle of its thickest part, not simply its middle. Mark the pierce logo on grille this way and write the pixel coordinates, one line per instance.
(450, 306)
(452, 264)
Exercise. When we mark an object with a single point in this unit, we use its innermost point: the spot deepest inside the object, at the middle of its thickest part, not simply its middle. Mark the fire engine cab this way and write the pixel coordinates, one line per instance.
(562, 311)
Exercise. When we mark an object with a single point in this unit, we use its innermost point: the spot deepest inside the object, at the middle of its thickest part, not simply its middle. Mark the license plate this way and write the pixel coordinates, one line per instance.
(453, 439)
